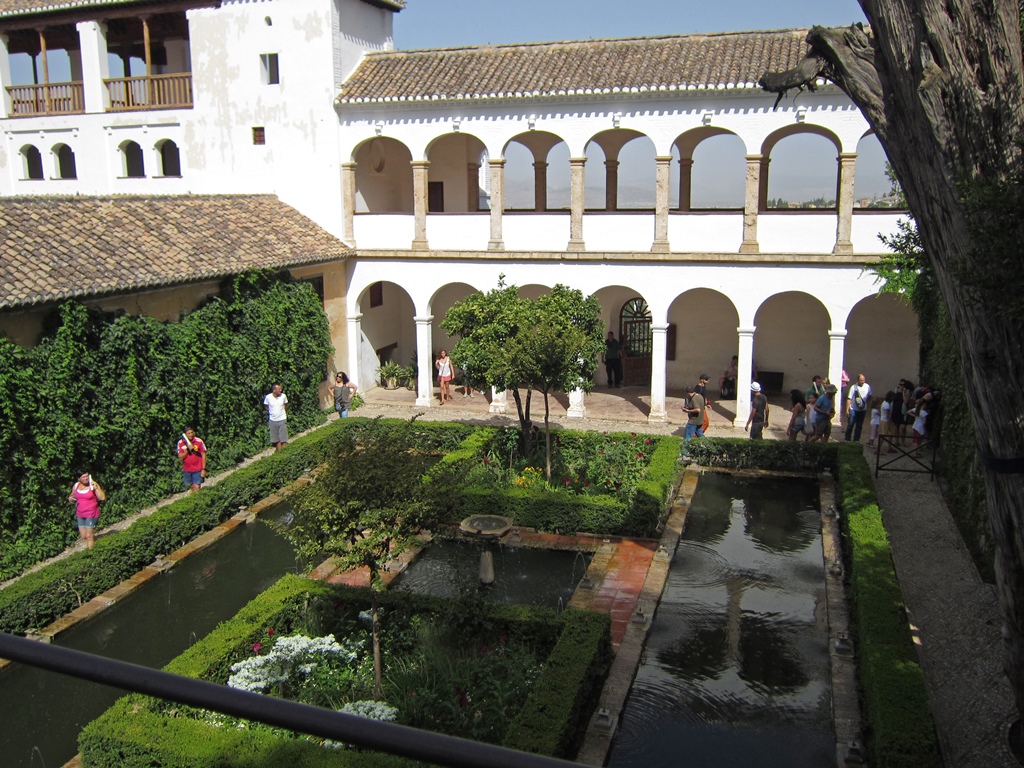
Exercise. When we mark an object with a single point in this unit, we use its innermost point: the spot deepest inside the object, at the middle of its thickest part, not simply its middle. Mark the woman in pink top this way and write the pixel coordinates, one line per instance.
(87, 495)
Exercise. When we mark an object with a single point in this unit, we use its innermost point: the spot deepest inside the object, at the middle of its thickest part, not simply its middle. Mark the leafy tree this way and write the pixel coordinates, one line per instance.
(550, 344)
(365, 508)
(942, 85)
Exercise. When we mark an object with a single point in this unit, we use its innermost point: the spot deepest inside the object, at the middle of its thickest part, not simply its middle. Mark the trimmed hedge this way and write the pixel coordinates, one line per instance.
(896, 709)
(47, 594)
(552, 723)
(564, 513)
(134, 733)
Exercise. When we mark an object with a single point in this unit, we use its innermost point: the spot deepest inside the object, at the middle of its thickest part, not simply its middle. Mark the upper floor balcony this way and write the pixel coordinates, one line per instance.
(114, 65)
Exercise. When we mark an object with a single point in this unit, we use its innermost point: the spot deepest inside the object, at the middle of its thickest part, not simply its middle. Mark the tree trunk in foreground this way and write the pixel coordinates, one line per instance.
(941, 84)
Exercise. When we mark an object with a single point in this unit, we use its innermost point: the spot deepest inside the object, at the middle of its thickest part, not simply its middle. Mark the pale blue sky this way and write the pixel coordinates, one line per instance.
(454, 23)
(448, 23)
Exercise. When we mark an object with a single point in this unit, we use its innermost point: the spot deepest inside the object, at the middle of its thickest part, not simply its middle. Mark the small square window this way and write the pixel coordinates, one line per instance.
(268, 69)
(377, 295)
(259, 135)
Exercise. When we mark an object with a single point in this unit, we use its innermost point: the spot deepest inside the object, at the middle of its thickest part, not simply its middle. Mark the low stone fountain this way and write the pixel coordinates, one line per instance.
(487, 528)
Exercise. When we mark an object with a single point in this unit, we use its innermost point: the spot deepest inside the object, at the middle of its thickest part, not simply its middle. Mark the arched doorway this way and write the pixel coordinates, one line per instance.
(637, 342)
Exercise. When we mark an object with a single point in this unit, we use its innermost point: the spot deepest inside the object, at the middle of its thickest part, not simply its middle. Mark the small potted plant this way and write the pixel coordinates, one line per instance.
(389, 373)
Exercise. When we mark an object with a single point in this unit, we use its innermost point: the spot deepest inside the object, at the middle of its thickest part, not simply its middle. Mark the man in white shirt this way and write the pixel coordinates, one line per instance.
(857, 407)
(276, 406)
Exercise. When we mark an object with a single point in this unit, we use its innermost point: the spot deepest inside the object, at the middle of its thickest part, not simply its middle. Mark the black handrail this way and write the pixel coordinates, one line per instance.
(351, 729)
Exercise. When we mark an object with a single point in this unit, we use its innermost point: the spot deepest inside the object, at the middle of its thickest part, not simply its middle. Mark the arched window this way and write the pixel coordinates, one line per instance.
(170, 159)
(134, 164)
(32, 162)
(66, 168)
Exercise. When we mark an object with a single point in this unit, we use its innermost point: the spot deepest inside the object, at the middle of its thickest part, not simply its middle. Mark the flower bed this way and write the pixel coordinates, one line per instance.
(524, 677)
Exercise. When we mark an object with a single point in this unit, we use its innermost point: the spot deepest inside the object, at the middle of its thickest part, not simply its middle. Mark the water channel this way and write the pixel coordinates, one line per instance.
(42, 712)
(736, 670)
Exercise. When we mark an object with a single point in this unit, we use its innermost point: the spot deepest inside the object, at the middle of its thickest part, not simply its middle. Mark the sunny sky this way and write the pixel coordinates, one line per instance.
(448, 23)
(454, 23)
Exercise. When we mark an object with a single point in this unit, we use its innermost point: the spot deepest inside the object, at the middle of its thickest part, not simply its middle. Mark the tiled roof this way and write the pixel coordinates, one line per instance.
(26, 7)
(54, 248)
(642, 64)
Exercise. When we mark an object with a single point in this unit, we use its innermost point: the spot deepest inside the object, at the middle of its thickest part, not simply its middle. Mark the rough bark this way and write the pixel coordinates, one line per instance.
(941, 83)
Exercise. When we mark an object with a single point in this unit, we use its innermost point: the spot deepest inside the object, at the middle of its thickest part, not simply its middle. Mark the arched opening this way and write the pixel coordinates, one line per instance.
(65, 156)
(701, 337)
(718, 177)
(32, 162)
(882, 341)
(536, 172)
(453, 183)
(804, 170)
(622, 171)
(872, 186)
(791, 341)
(133, 163)
(388, 333)
(383, 177)
(170, 159)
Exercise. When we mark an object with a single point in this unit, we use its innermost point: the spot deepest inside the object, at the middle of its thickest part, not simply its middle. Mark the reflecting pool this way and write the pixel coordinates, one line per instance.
(42, 712)
(522, 575)
(735, 671)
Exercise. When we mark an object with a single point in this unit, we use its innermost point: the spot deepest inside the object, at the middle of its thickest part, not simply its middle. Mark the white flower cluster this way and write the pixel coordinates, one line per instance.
(372, 710)
(289, 655)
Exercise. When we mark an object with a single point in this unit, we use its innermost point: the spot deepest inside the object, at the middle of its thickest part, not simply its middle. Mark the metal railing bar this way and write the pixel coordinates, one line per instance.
(303, 718)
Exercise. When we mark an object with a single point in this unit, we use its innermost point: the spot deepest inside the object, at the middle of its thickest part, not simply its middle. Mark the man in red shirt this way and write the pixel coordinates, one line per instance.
(192, 452)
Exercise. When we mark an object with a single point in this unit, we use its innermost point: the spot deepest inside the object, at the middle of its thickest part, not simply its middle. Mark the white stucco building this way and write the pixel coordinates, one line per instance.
(442, 169)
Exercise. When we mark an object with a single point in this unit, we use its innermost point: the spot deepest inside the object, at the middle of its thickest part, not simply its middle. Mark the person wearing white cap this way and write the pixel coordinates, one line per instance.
(758, 418)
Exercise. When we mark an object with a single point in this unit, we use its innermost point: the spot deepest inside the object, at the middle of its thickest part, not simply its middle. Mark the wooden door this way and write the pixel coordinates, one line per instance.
(637, 342)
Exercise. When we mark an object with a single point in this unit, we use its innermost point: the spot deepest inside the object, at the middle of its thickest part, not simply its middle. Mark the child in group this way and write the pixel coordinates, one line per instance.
(875, 412)
(888, 427)
(810, 416)
(920, 415)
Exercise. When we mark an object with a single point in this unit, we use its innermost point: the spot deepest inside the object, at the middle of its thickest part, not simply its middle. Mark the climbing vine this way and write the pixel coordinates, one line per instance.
(110, 393)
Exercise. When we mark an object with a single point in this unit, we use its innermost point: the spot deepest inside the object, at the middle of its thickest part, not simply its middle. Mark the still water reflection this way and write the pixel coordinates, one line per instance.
(736, 670)
(42, 712)
(524, 575)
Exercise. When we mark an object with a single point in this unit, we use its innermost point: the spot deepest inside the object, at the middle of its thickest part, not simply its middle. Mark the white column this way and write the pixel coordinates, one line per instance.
(576, 203)
(424, 361)
(354, 329)
(661, 190)
(5, 78)
(577, 407)
(497, 169)
(659, 348)
(743, 368)
(348, 204)
(92, 37)
(499, 401)
(836, 353)
(844, 202)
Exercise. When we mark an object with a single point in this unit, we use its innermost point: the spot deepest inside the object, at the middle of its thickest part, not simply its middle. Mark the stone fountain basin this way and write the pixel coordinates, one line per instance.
(486, 526)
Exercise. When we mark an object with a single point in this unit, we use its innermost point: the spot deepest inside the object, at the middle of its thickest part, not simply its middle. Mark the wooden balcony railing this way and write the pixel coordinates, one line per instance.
(52, 99)
(153, 92)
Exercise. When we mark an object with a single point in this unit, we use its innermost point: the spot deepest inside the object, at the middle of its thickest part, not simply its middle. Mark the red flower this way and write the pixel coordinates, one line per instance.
(639, 455)
(567, 481)
(270, 632)
(647, 441)
(487, 459)
(256, 647)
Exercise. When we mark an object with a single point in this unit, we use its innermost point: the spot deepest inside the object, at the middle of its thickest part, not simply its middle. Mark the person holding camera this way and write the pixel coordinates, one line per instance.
(87, 495)
(192, 452)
